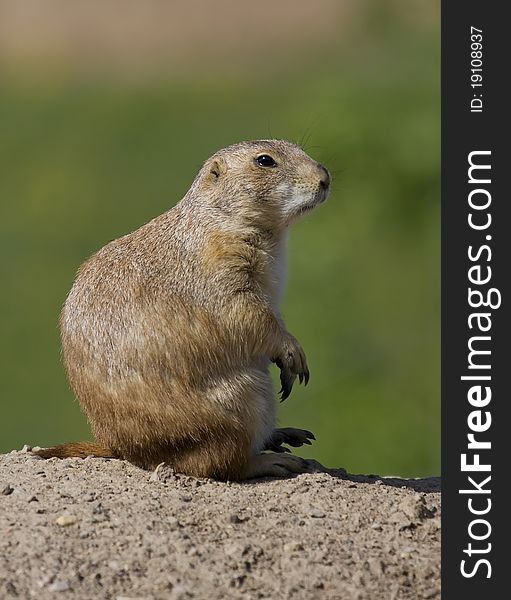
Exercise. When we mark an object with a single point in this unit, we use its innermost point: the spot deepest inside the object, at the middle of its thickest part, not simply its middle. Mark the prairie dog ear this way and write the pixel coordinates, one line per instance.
(217, 168)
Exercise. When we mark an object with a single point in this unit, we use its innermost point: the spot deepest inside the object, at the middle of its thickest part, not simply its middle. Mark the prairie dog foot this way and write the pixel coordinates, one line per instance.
(275, 465)
(288, 435)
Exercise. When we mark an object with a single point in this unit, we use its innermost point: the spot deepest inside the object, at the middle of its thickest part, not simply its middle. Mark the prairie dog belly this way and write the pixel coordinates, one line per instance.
(247, 395)
(278, 272)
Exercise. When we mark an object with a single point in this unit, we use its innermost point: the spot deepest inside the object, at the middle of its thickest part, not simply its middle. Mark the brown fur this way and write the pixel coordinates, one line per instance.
(75, 449)
(167, 333)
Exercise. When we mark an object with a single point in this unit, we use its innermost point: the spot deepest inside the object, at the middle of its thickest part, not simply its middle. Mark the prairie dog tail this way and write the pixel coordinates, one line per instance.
(75, 450)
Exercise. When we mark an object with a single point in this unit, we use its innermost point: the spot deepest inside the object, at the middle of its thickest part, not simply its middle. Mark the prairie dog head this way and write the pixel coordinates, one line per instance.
(263, 183)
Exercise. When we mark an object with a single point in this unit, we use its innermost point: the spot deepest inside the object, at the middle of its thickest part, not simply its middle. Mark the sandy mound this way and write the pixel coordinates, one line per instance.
(98, 528)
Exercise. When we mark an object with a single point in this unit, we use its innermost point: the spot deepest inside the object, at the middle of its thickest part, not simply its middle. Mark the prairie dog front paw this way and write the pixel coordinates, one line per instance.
(292, 364)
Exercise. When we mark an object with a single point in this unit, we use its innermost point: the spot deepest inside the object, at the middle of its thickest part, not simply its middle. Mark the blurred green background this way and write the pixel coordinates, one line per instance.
(105, 127)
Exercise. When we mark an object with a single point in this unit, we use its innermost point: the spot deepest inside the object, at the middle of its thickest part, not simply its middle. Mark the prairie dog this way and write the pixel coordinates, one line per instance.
(168, 332)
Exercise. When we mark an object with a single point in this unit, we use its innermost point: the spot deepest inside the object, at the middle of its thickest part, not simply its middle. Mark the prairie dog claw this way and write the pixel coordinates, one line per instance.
(291, 436)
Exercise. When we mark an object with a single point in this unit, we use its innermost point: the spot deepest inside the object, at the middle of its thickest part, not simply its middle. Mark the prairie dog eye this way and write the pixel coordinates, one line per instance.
(265, 160)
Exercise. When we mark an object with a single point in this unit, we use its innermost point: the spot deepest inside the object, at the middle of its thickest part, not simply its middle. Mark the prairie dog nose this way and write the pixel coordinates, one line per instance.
(324, 181)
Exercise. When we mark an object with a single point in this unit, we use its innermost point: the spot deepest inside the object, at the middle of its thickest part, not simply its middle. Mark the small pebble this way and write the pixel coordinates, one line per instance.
(316, 513)
(58, 586)
(8, 489)
(236, 518)
(65, 520)
(156, 474)
(236, 549)
(293, 547)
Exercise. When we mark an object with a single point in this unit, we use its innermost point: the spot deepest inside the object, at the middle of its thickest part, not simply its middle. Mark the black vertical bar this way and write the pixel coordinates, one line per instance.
(474, 119)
